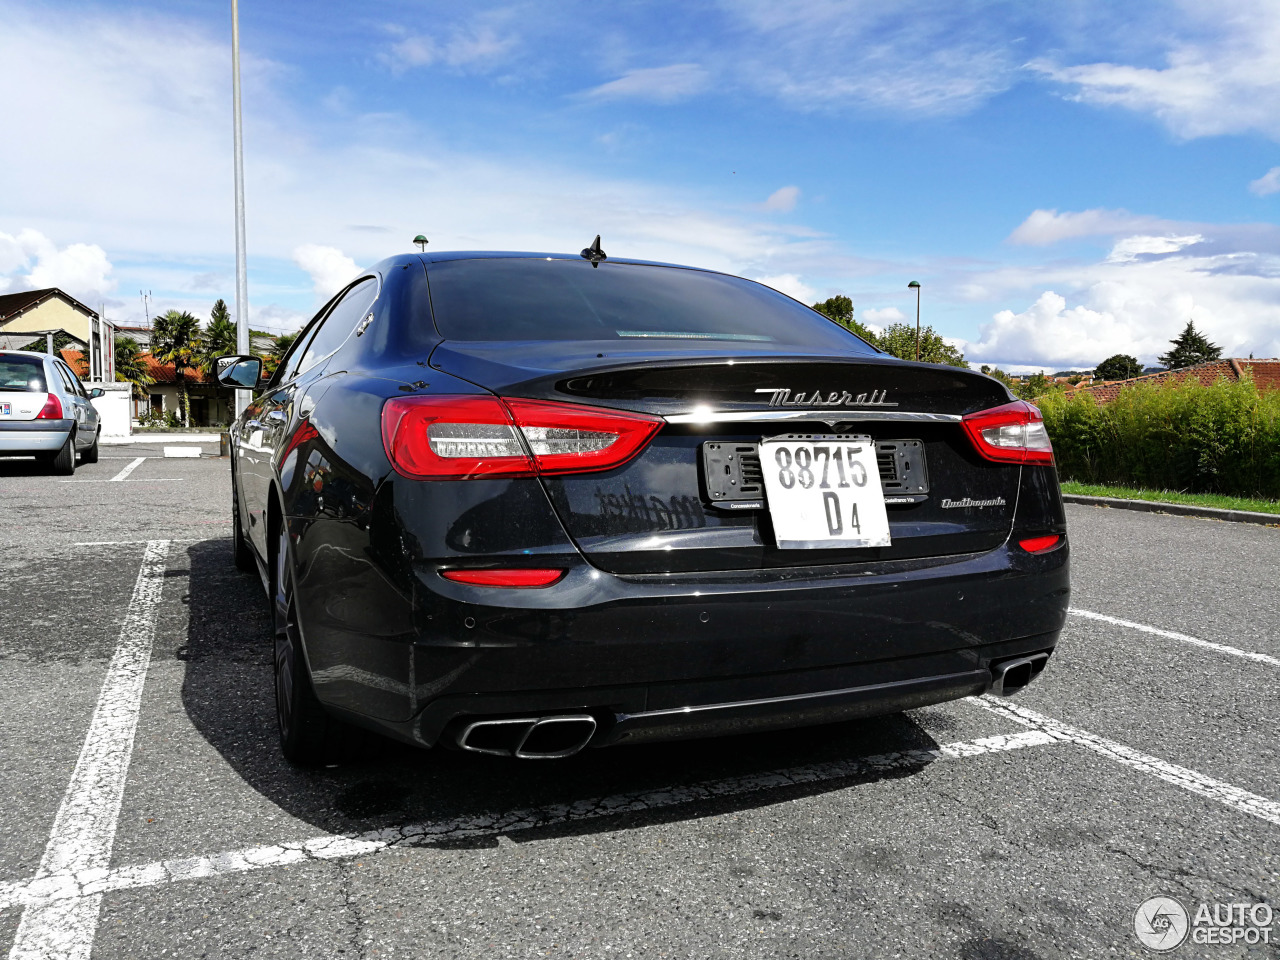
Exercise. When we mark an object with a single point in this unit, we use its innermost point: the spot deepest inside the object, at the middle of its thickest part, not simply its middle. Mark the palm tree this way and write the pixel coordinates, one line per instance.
(219, 337)
(176, 339)
(130, 368)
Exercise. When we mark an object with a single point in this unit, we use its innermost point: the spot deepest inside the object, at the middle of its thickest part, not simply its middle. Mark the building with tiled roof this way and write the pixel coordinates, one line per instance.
(1265, 373)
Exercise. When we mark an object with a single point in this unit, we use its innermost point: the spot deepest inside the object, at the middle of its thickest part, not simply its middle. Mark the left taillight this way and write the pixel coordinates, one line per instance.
(466, 437)
(1011, 433)
(52, 409)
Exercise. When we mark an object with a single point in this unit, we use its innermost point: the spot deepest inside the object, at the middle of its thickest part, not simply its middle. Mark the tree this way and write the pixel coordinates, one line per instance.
(219, 337)
(899, 339)
(1190, 347)
(130, 368)
(279, 347)
(176, 339)
(840, 309)
(1036, 385)
(1120, 367)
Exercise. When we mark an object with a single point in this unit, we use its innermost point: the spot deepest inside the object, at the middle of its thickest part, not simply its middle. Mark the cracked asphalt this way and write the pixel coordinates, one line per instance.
(877, 838)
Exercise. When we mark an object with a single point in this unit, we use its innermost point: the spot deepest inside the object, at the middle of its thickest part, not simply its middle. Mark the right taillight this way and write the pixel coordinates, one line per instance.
(1012, 433)
(465, 437)
(52, 409)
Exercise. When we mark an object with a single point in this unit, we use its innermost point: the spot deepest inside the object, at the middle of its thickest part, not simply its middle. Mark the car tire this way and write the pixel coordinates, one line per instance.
(91, 455)
(240, 550)
(64, 461)
(307, 734)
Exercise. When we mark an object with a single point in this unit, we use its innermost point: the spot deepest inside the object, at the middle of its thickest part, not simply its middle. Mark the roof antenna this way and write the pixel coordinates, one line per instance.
(594, 253)
(421, 241)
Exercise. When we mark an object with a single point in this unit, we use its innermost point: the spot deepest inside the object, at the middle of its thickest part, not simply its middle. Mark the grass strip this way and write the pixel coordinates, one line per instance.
(1172, 496)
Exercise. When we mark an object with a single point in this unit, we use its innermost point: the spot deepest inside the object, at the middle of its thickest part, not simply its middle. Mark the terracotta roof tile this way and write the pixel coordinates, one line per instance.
(164, 372)
(76, 361)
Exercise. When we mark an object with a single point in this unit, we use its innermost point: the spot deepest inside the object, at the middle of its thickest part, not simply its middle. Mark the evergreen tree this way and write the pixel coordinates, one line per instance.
(1120, 367)
(219, 337)
(1190, 347)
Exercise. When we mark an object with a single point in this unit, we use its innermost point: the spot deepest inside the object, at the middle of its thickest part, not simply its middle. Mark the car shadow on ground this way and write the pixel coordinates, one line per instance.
(227, 692)
(23, 467)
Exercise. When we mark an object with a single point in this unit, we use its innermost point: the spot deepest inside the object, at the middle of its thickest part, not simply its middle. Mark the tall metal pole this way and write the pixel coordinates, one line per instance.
(242, 280)
(916, 284)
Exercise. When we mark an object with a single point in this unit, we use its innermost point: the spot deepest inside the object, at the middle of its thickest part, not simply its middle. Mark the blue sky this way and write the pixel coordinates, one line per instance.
(1066, 181)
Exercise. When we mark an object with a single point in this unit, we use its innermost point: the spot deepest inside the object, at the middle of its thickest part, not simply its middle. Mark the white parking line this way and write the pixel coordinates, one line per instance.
(132, 466)
(85, 828)
(1169, 634)
(1198, 783)
(128, 480)
(76, 884)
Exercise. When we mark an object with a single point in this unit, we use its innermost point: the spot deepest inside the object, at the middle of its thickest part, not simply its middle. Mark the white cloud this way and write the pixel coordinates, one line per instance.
(81, 269)
(1134, 306)
(782, 200)
(659, 84)
(1134, 248)
(476, 48)
(791, 285)
(1045, 227)
(881, 317)
(1267, 184)
(1226, 80)
(329, 267)
(934, 58)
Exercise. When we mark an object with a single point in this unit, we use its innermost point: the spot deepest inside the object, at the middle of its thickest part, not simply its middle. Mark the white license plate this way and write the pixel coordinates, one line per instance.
(824, 491)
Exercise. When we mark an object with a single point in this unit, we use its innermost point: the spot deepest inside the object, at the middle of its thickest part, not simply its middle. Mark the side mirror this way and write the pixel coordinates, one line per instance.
(96, 392)
(238, 372)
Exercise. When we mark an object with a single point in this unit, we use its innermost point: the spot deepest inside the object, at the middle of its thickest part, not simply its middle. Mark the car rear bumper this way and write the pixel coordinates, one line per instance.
(33, 436)
(652, 657)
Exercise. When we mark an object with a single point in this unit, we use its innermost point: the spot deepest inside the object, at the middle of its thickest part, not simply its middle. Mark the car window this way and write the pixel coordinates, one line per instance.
(22, 374)
(527, 299)
(342, 319)
(65, 377)
(73, 381)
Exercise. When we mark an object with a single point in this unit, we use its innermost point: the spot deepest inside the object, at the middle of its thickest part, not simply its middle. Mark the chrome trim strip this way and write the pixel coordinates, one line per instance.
(827, 415)
(970, 675)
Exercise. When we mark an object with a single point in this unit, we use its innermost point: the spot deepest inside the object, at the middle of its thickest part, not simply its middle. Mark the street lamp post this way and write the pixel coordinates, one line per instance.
(916, 284)
(242, 280)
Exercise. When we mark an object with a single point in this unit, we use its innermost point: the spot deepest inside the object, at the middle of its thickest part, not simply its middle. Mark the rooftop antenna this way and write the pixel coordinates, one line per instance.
(421, 241)
(595, 253)
(146, 300)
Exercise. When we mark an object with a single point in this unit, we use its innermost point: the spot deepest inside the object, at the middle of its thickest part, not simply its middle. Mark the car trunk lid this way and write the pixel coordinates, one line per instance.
(657, 513)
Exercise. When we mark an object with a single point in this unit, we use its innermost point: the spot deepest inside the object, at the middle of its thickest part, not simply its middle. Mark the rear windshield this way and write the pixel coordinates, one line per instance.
(518, 299)
(21, 373)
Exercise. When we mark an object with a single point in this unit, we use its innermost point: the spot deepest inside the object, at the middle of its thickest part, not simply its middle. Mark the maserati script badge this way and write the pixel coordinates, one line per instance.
(782, 397)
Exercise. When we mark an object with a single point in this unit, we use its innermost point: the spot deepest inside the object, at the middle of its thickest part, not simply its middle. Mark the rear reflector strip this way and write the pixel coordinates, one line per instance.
(1039, 544)
(518, 577)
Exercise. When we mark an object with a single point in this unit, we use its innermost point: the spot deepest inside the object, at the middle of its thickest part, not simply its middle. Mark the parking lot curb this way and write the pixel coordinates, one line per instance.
(1177, 509)
(161, 438)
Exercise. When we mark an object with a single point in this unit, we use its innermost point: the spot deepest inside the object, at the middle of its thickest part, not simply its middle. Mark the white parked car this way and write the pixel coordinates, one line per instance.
(45, 411)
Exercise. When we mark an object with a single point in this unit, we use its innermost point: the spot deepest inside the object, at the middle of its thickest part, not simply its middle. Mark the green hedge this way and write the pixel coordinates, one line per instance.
(1222, 439)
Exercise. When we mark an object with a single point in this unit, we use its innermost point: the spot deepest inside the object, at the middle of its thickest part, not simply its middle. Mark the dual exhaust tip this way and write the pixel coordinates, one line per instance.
(1010, 676)
(529, 738)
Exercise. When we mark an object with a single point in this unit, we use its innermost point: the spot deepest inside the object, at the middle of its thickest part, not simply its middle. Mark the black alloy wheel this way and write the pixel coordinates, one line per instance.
(64, 461)
(306, 732)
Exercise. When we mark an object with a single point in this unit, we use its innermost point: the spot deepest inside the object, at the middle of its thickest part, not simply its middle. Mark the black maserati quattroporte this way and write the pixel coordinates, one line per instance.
(523, 504)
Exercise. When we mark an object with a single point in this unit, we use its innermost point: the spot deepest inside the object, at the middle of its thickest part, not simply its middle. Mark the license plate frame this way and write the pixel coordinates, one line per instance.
(842, 504)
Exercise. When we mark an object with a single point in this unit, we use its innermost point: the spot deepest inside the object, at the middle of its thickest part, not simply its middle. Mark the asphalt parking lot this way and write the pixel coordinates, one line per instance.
(147, 811)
